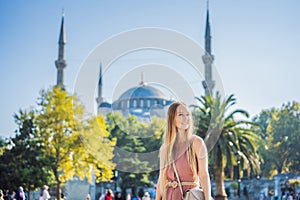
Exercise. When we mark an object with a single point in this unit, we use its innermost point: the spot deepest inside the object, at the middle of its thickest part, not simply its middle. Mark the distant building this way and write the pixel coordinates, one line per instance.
(143, 101)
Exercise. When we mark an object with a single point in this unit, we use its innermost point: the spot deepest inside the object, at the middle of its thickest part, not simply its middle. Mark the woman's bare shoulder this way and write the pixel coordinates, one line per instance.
(162, 148)
(197, 142)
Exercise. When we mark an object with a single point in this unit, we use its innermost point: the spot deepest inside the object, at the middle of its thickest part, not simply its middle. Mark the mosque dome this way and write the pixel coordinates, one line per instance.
(142, 91)
(142, 101)
(105, 105)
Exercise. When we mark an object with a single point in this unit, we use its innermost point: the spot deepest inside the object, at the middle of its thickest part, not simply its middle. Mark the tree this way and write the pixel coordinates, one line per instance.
(22, 159)
(66, 133)
(100, 145)
(227, 135)
(133, 139)
(285, 129)
(263, 120)
(2, 146)
(282, 135)
(152, 141)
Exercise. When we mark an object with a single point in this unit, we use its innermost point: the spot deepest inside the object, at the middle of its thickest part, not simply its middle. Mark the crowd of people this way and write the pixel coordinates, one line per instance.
(20, 194)
(109, 195)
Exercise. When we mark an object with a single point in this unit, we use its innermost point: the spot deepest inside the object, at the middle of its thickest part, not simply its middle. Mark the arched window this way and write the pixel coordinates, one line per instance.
(141, 103)
(134, 103)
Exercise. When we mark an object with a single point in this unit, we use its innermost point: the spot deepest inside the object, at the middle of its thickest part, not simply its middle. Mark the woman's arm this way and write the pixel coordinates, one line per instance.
(199, 148)
(158, 195)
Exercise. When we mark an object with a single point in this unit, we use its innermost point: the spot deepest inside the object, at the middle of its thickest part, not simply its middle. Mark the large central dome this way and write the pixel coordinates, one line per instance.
(142, 91)
(142, 101)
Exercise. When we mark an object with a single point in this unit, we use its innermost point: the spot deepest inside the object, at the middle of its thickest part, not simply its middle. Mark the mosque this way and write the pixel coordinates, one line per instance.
(142, 100)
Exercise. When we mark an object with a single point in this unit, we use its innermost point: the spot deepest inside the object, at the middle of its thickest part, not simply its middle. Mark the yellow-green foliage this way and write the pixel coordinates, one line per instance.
(100, 148)
(75, 145)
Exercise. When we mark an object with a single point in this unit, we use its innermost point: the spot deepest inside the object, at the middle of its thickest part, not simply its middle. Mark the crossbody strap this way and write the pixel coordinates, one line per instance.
(178, 180)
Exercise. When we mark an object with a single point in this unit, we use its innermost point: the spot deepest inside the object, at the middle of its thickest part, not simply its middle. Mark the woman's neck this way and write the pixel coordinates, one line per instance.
(181, 136)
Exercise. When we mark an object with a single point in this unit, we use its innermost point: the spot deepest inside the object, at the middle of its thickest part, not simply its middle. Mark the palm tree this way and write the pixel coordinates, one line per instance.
(225, 137)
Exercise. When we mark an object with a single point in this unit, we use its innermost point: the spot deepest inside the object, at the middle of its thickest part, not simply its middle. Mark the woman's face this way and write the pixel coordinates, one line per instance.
(182, 118)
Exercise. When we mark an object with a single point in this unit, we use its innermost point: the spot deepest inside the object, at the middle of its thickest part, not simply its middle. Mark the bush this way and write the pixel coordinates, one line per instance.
(234, 185)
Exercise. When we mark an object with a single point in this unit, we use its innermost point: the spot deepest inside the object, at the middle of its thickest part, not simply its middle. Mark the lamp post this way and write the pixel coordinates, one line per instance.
(238, 160)
(116, 175)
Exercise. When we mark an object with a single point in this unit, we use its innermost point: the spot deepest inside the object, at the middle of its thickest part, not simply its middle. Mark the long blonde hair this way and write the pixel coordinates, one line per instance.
(167, 149)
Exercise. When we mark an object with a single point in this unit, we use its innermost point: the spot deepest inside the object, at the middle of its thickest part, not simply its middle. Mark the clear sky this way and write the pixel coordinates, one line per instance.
(256, 44)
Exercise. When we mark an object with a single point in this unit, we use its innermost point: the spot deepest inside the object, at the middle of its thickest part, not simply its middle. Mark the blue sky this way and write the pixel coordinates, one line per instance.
(256, 44)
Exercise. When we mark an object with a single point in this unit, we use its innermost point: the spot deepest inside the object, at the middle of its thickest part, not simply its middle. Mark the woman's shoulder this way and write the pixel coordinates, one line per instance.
(161, 149)
(195, 139)
(196, 142)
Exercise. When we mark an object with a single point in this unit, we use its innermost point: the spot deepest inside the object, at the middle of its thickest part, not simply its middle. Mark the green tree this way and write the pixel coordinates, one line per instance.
(22, 159)
(285, 129)
(133, 138)
(220, 129)
(65, 135)
(152, 141)
(269, 158)
(127, 131)
(282, 136)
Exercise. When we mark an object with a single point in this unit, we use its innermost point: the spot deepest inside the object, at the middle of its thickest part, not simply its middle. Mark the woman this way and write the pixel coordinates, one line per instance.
(44, 194)
(109, 195)
(187, 151)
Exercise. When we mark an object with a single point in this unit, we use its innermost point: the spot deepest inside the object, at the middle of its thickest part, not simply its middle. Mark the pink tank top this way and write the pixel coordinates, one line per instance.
(185, 174)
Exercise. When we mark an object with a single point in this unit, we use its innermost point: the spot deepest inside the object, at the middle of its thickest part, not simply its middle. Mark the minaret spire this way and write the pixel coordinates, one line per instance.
(207, 33)
(100, 97)
(61, 62)
(142, 83)
(208, 58)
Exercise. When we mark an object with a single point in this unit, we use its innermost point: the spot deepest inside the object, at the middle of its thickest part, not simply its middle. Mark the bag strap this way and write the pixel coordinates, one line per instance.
(177, 177)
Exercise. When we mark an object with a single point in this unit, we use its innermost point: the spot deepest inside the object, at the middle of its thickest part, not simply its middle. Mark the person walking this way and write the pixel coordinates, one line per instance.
(1, 195)
(44, 194)
(118, 196)
(109, 195)
(128, 196)
(184, 152)
(21, 194)
(146, 196)
(152, 192)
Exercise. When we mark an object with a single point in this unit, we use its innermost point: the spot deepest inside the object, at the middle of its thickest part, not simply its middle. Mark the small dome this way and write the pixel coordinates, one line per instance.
(142, 91)
(105, 105)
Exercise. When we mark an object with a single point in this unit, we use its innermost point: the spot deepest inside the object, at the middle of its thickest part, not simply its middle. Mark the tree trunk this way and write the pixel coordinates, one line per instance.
(58, 190)
(219, 176)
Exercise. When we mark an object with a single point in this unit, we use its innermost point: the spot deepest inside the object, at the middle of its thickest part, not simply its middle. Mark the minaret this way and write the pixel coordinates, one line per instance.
(100, 97)
(61, 62)
(142, 83)
(208, 59)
